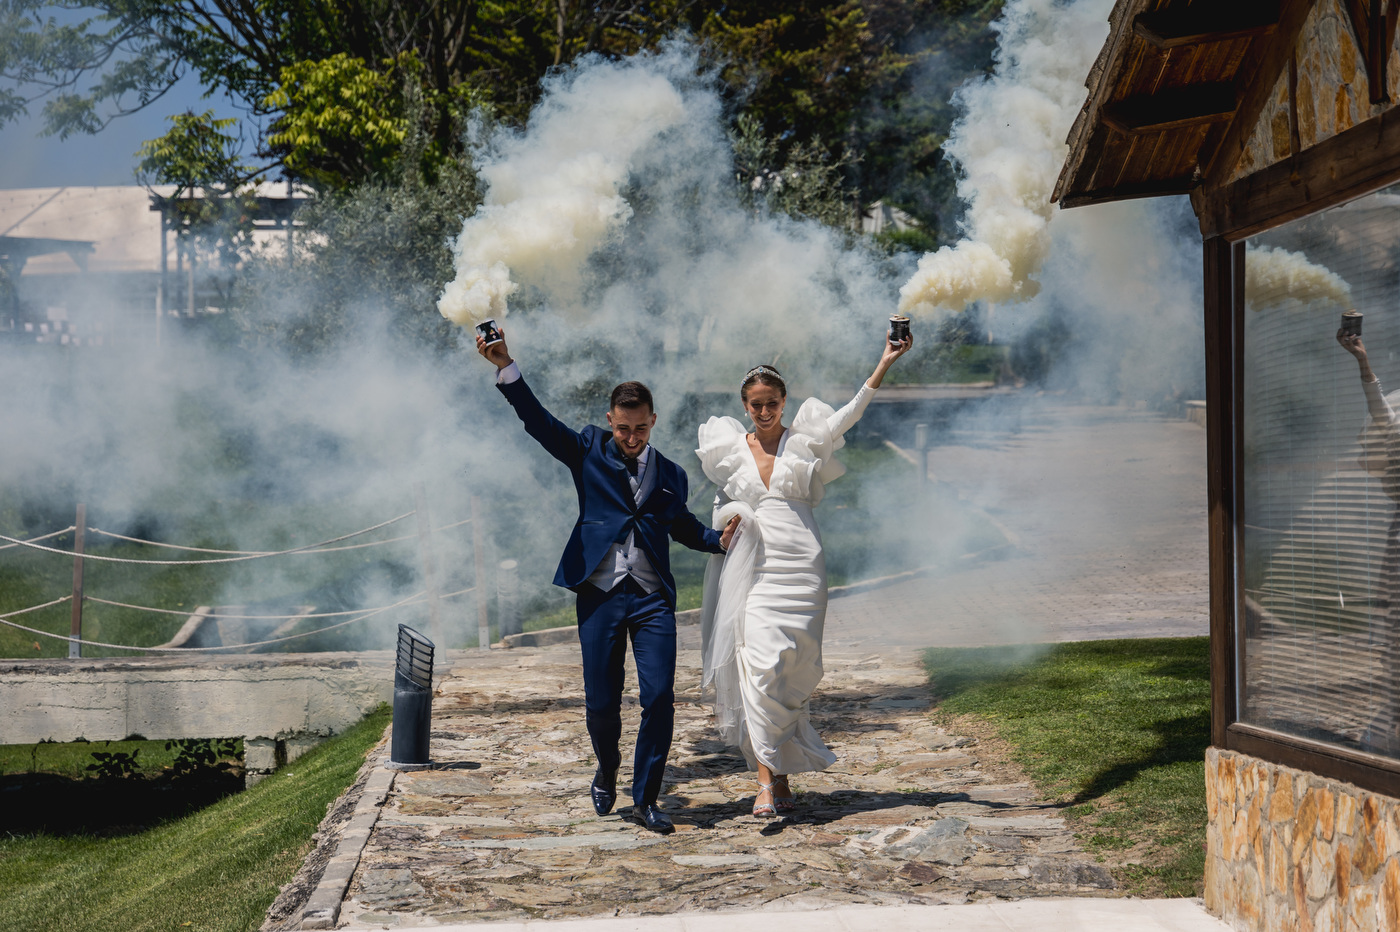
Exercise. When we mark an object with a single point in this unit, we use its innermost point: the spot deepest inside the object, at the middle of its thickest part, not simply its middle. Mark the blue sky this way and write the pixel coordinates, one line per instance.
(33, 161)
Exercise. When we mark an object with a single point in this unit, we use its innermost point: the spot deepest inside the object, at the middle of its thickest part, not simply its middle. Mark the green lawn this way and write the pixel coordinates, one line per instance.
(1116, 729)
(71, 759)
(32, 578)
(218, 869)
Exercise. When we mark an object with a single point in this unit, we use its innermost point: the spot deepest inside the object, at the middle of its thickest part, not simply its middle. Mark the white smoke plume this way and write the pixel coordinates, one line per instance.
(1275, 276)
(553, 194)
(1010, 146)
(615, 213)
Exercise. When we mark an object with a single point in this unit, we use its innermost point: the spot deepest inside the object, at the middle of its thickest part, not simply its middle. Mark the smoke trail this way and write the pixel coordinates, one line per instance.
(553, 194)
(1010, 147)
(615, 212)
(1276, 276)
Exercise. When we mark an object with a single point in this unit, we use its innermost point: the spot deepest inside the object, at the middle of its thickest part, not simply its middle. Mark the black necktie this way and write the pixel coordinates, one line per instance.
(631, 465)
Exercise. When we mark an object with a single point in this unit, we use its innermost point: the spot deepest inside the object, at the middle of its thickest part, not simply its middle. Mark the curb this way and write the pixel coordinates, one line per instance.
(322, 909)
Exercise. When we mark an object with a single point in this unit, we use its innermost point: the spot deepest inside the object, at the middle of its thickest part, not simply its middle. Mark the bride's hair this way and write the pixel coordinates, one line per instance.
(761, 375)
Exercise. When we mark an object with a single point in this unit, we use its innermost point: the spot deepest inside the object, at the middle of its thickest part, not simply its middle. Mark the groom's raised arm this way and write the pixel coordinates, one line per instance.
(559, 440)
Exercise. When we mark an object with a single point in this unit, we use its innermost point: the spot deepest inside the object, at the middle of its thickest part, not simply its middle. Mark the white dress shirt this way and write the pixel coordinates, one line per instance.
(507, 374)
(623, 559)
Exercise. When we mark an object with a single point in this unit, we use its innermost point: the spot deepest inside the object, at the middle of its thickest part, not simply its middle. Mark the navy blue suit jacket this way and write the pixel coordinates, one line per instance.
(606, 505)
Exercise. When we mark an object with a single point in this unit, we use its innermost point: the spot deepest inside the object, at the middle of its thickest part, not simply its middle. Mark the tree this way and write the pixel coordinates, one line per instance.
(299, 61)
(383, 244)
(211, 209)
(805, 181)
(342, 120)
(293, 60)
(198, 152)
(872, 75)
(900, 130)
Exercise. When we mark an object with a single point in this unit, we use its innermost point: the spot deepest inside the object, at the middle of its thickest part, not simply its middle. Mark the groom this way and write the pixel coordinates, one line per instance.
(618, 562)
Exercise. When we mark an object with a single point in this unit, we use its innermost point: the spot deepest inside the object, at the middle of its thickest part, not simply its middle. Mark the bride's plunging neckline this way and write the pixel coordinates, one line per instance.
(782, 442)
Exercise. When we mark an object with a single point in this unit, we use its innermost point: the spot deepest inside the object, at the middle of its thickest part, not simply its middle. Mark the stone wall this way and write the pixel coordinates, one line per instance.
(1289, 850)
(280, 704)
(1333, 90)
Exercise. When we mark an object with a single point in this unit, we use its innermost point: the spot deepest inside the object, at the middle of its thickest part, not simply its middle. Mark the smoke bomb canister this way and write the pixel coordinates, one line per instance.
(489, 331)
(1351, 323)
(899, 329)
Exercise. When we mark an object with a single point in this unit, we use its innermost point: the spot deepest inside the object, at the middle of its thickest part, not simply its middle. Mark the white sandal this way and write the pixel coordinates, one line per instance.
(764, 810)
(786, 803)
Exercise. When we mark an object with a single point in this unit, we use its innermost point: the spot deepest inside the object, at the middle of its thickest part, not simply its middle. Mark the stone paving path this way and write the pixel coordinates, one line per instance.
(502, 828)
(1107, 511)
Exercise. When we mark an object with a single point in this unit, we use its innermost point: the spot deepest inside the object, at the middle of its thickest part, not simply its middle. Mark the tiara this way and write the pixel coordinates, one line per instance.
(758, 370)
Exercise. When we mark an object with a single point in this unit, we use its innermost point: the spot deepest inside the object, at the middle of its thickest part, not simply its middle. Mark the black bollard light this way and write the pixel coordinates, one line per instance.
(413, 701)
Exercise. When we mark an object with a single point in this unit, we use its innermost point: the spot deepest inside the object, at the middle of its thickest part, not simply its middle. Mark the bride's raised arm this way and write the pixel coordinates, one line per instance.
(842, 420)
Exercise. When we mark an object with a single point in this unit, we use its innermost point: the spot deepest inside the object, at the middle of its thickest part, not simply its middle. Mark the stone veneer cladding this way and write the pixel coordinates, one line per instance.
(1289, 850)
(1333, 90)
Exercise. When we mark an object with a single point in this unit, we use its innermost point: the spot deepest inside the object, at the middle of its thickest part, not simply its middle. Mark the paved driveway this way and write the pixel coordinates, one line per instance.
(1106, 508)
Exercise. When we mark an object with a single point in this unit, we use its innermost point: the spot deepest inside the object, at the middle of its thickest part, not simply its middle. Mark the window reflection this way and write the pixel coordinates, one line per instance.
(1321, 458)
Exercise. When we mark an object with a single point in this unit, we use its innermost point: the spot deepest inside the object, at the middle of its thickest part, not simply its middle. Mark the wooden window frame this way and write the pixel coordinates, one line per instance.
(1347, 166)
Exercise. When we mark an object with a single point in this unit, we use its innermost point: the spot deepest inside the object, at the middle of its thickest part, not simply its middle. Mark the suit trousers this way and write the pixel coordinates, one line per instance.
(605, 621)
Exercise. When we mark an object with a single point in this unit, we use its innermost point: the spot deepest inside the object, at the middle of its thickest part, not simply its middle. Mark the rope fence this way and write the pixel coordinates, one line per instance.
(255, 555)
(265, 553)
(33, 540)
(182, 611)
(429, 596)
(417, 598)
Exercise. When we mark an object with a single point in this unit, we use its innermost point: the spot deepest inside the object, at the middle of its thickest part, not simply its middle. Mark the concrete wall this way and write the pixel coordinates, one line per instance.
(281, 705)
(1289, 850)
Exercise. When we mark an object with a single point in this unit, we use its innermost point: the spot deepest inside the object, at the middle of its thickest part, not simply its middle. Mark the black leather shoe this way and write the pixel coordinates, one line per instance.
(657, 821)
(604, 793)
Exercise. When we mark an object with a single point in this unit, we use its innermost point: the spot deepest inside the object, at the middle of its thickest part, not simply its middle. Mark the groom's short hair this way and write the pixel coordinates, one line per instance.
(631, 395)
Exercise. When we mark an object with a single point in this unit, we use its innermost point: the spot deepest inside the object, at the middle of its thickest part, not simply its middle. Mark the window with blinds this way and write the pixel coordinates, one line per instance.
(1320, 534)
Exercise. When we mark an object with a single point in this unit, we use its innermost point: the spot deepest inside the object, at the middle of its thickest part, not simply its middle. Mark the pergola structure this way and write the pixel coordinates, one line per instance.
(1277, 119)
(96, 260)
(189, 213)
(15, 253)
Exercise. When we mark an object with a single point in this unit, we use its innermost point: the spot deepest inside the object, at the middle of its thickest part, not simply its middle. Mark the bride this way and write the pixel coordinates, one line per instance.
(765, 602)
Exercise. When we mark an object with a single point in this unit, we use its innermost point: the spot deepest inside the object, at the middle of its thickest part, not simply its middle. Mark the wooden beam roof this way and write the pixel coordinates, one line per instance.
(1170, 29)
(1175, 93)
(1176, 108)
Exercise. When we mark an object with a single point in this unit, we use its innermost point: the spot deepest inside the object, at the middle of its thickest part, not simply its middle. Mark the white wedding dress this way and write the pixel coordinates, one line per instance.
(765, 600)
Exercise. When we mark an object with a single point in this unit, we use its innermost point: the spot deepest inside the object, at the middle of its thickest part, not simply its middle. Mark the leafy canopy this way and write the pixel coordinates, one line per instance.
(330, 76)
(198, 152)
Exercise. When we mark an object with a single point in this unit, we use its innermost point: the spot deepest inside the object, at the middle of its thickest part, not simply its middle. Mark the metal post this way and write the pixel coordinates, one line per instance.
(425, 546)
(76, 629)
(921, 444)
(179, 265)
(410, 743)
(291, 243)
(164, 271)
(483, 621)
(507, 583)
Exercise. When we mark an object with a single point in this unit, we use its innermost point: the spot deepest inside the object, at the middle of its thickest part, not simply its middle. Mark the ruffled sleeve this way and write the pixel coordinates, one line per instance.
(816, 434)
(723, 454)
(808, 454)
